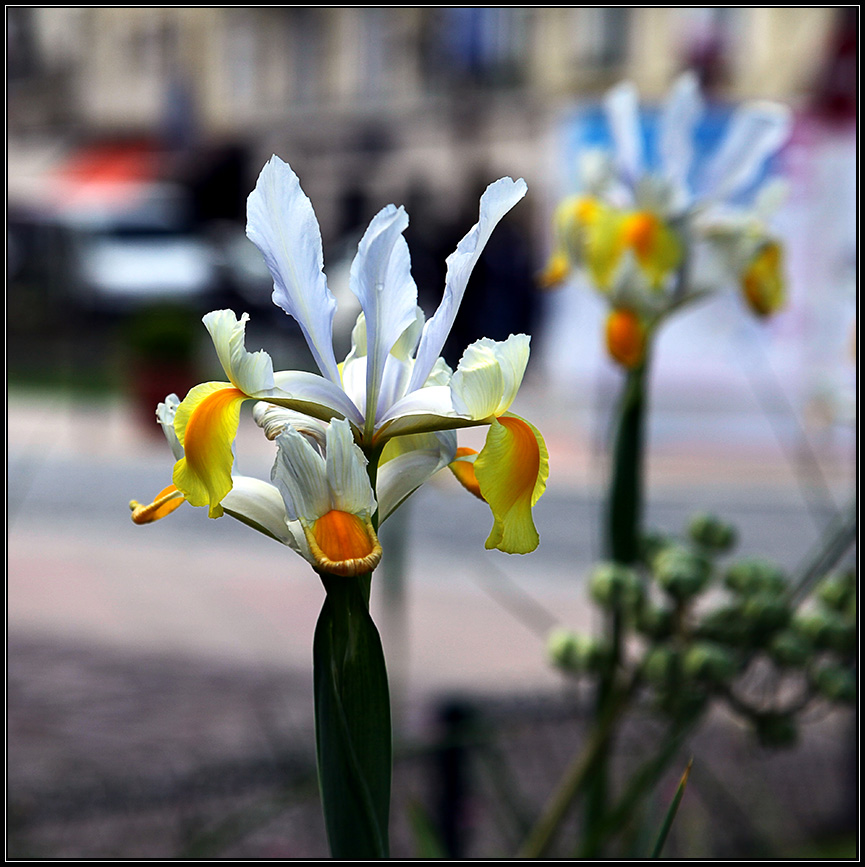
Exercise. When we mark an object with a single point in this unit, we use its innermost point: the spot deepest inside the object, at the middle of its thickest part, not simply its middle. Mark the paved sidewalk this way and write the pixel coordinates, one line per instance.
(79, 570)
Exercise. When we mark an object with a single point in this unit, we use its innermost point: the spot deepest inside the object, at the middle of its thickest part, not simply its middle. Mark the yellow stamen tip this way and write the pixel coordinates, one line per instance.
(165, 502)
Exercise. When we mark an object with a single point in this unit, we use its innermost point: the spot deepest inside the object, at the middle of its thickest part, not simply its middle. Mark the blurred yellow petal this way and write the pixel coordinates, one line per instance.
(626, 338)
(206, 425)
(656, 247)
(605, 243)
(464, 470)
(556, 270)
(763, 280)
(343, 543)
(512, 470)
(164, 503)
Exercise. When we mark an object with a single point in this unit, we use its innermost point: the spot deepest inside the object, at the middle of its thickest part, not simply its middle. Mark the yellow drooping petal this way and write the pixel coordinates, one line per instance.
(206, 425)
(763, 280)
(604, 246)
(626, 338)
(343, 543)
(164, 503)
(512, 470)
(464, 470)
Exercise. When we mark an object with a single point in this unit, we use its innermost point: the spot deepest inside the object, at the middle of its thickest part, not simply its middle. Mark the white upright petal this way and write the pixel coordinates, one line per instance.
(622, 106)
(301, 477)
(314, 395)
(489, 375)
(496, 201)
(381, 279)
(251, 372)
(346, 472)
(757, 130)
(282, 224)
(678, 119)
(165, 413)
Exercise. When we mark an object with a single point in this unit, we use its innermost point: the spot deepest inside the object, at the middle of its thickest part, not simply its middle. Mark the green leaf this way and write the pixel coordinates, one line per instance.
(671, 812)
(352, 722)
(427, 839)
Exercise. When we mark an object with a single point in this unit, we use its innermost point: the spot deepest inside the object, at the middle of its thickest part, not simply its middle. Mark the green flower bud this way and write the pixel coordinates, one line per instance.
(660, 665)
(709, 663)
(789, 649)
(776, 730)
(766, 612)
(726, 625)
(836, 590)
(654, 622)
(616, 587)
(712, 533)
(651, 544)
(573, 652)
(836, 683)
(826, 630)
(755, 576)
(682, 573)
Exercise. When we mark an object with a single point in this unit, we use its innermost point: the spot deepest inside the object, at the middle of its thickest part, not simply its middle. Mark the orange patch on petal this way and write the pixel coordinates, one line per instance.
(204, 418)
(639, 232)
(343, 543)
(512, 470)
(465, 471)
(206, 425)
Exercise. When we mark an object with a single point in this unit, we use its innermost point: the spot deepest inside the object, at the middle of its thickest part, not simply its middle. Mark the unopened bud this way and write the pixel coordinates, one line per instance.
(616, 587)
(574, 652)
(789, 649)
(682, 573)
(836, 683)
(656, 623)
(709, 663)
(755, 576)
(725, 625)
(712, 533)
(826, 630)
(660, 665)
(835, 590)
(767, 613)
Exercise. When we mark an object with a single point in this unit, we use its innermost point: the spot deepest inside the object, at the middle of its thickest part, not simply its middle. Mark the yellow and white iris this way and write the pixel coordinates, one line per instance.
(637, 231)
(393, 396)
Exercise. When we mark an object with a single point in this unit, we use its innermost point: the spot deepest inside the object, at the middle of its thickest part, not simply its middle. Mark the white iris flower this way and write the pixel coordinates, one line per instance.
(393, 400)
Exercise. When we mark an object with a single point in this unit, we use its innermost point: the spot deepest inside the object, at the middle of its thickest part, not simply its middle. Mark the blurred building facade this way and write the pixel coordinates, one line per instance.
(377, 99)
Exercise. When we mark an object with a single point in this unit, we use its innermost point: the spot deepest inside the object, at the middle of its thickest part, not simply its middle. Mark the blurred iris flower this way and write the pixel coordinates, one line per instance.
(651, 238)
(357, 439)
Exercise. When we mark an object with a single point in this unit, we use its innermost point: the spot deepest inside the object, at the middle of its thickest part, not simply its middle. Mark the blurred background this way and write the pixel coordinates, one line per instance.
(159, 678)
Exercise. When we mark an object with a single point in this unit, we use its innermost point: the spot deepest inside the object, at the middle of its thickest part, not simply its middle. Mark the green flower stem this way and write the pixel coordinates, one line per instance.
(352, 721)
(643, 780)
(578, 775)
(624, 517)
(625, 504)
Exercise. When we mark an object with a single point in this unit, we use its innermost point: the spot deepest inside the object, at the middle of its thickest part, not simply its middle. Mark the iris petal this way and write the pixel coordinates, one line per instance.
(512, 471)
(206, 424)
